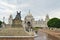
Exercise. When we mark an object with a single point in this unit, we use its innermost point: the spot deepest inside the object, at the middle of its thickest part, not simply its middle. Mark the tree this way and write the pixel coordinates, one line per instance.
(0, 22)
(54, 23)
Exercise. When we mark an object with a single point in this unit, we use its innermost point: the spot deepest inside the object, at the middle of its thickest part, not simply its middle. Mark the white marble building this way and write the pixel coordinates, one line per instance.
(39, 23)
(30, 21)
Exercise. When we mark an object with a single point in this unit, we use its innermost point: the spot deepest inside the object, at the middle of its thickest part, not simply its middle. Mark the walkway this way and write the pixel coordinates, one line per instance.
(46, 35)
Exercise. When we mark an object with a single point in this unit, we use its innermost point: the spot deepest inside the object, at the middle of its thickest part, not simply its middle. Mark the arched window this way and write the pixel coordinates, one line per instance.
(28, 23)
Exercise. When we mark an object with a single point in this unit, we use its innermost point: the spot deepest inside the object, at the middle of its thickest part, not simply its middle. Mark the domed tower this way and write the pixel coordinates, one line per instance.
(3, 23)
(10, 20)
(46, 20)
(29, 21)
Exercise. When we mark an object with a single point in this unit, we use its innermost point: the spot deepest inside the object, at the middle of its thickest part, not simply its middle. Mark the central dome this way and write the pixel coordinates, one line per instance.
(29, 14)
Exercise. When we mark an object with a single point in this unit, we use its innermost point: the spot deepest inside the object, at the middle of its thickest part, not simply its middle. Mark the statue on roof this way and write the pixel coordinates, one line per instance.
(17, 22)
(18, 16)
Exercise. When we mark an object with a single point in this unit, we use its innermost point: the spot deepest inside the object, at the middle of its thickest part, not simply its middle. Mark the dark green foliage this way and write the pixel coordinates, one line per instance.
(35, 28)
(0, 22)
(54, 23)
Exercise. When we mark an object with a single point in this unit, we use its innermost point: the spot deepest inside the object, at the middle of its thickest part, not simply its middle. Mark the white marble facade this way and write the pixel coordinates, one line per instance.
(30, 19)
(39, 23)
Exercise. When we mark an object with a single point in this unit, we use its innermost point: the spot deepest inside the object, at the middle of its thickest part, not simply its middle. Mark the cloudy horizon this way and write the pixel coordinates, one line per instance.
(38, 8)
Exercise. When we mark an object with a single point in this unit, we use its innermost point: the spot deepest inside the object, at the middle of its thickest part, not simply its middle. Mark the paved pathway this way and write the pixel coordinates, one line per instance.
(44, 36)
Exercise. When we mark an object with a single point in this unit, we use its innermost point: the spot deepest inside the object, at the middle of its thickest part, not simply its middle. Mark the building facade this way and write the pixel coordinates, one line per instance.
(29, 22)
(40, 23)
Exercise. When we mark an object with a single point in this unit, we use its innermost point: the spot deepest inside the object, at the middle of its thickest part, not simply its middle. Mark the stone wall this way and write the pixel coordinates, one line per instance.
(17, 38)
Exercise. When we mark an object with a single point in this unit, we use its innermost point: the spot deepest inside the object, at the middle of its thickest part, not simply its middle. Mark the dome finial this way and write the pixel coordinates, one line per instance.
(29, 14)
(29, 11)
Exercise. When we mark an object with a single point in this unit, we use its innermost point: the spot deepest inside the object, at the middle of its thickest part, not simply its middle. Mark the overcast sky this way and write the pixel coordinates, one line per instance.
(38, 8)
